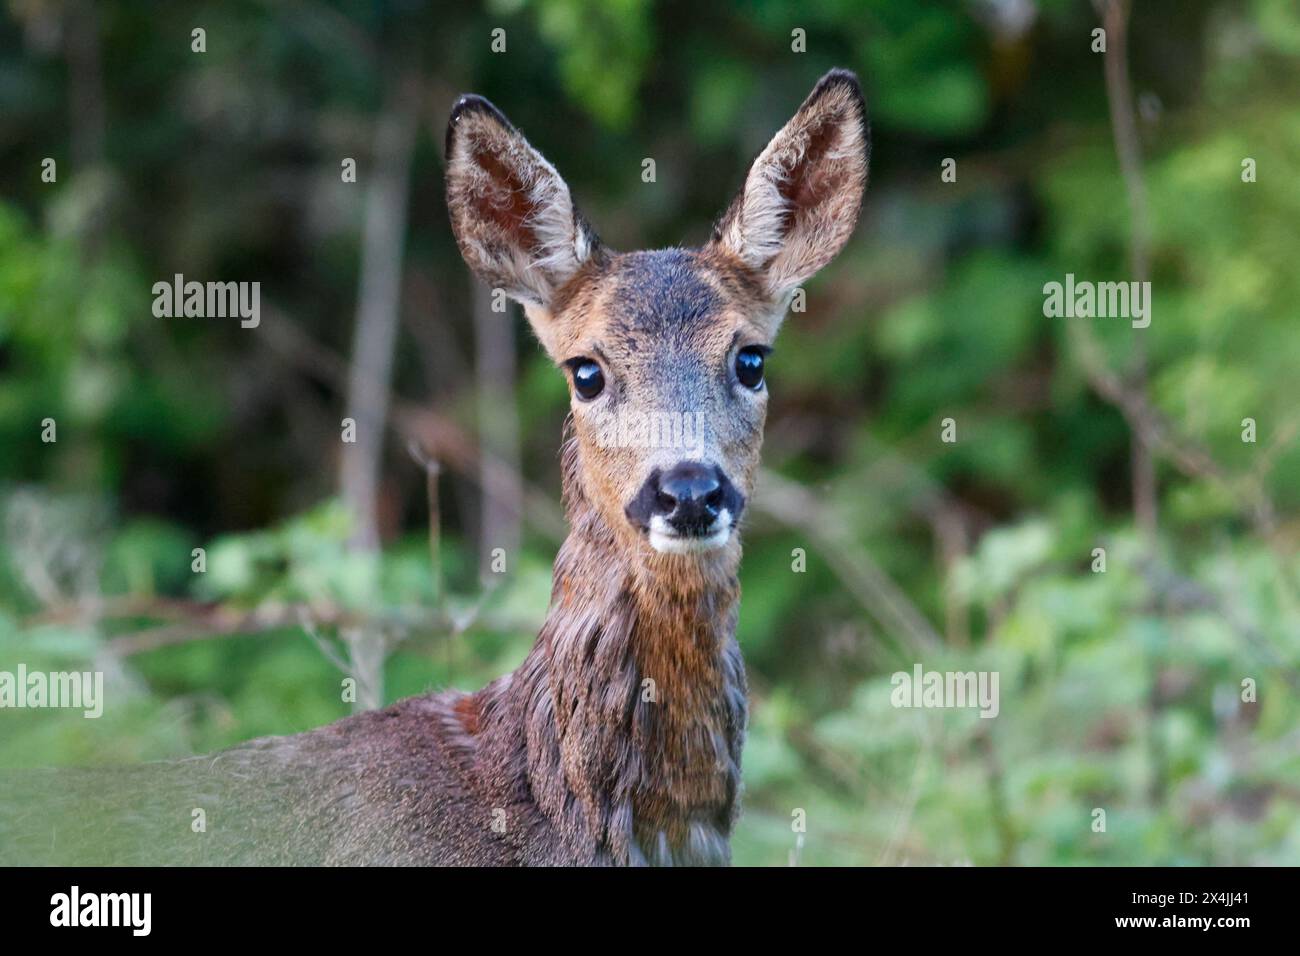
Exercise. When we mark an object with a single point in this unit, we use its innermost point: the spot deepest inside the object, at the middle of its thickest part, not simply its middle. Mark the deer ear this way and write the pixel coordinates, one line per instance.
(802, 194)
(511, 212)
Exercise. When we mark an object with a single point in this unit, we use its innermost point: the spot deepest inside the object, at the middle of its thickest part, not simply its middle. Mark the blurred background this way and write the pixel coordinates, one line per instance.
(1162, 689)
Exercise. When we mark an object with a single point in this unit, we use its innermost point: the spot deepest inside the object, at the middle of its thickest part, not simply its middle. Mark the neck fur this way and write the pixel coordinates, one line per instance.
(636, 696)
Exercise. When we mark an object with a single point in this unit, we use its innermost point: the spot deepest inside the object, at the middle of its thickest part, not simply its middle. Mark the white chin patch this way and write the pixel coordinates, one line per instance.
(667, 541)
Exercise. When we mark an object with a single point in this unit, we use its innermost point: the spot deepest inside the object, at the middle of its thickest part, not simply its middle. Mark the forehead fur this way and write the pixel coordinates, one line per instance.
(664, 298)
(661, 292)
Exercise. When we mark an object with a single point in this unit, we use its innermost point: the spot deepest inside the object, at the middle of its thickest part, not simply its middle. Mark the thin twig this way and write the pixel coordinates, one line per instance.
(202, 622)
(432, 469)
(1119, 96)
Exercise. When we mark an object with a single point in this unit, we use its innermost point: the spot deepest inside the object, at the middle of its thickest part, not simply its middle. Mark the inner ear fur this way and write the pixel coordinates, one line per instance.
(802, 195)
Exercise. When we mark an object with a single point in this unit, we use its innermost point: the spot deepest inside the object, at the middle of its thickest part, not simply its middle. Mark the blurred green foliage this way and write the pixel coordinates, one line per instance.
(1119, 691)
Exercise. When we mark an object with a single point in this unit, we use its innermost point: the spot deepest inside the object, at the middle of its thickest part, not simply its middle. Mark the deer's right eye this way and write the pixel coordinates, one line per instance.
(588, 379)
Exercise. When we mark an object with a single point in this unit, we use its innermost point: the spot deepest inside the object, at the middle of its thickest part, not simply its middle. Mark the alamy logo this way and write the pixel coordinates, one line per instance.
(1102, 300)
(654, 429)
(103, 909)
(78, 690)
(941, 689)
(208, 300)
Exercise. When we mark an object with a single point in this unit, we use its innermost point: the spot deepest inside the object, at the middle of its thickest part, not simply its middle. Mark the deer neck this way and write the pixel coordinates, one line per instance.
(638, 716)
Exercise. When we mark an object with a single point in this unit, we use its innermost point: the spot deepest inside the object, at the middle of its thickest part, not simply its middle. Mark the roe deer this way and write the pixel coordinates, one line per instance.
(618, 739)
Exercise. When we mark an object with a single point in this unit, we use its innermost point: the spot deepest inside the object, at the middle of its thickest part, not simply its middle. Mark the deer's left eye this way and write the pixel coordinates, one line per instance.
(749, 367)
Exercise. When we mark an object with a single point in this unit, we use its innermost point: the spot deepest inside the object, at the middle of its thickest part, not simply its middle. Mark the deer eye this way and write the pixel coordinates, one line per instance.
(749, 367)
(588, 379)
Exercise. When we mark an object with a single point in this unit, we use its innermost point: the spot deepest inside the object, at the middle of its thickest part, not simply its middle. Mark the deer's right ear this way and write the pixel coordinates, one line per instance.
(511, 212)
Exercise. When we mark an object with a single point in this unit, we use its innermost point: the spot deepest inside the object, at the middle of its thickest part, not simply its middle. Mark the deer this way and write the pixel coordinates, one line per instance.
(618, 739)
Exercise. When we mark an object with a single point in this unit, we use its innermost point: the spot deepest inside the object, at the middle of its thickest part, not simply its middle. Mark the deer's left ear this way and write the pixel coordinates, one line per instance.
(803, 193)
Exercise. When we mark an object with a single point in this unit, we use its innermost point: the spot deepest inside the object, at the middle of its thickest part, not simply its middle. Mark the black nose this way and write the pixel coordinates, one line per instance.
(689, 497)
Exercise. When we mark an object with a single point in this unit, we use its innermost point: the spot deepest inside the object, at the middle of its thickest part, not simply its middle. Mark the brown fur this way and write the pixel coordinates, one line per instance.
(618, 740)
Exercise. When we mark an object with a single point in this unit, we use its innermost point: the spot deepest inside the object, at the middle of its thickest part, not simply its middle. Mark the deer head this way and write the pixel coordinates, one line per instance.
(664, 351)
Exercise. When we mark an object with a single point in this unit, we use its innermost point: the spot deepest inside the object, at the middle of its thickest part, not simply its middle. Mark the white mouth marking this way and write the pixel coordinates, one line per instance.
(667, 541)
